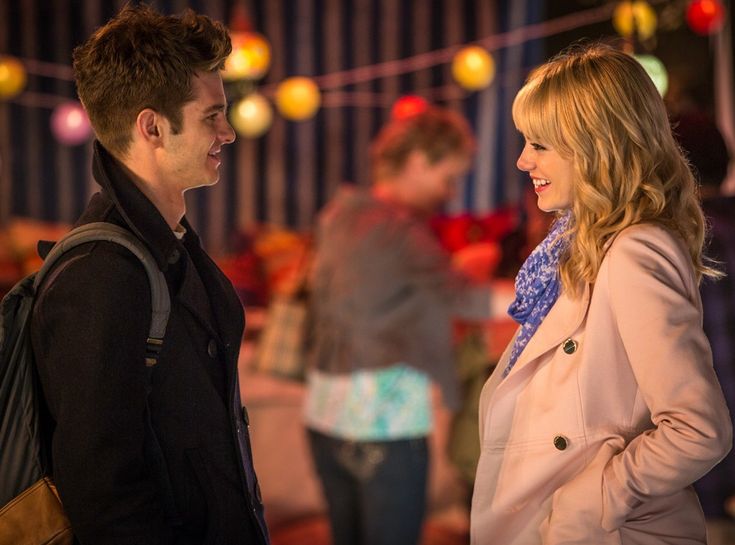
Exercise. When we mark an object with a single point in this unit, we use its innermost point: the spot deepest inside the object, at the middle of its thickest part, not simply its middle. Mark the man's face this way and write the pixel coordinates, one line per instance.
(192, 157)
(436, 184)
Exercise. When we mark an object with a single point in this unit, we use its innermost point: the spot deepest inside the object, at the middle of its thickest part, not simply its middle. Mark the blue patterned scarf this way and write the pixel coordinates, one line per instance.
(537, 287)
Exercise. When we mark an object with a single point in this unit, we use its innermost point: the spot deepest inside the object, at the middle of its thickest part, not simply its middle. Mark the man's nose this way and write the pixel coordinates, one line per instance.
(227, 133)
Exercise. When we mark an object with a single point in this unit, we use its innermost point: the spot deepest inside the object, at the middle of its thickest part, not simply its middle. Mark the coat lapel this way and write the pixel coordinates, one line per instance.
(193, 295)
(224, 303)
(226, 308)
(210, 299)
(560, 323)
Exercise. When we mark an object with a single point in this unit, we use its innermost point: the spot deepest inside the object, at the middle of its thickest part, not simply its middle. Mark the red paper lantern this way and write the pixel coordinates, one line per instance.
(705, 16)
(408, 106)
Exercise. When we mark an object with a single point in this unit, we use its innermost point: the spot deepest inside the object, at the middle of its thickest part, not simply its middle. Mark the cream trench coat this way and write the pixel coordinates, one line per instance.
(610, 413)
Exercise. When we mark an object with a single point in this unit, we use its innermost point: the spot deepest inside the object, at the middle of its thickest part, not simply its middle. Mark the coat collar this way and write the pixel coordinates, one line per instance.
(560, 323)
(139, 214)
(142, 217)
(225, 305)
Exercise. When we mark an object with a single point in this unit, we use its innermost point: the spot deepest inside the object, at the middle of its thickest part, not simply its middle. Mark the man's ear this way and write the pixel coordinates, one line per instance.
(148, 126)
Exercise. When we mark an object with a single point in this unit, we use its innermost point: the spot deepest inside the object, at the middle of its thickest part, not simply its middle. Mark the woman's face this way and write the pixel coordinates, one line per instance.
(551, 175)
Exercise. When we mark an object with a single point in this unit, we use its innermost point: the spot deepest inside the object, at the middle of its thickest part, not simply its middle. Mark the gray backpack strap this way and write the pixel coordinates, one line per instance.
(161, 306)
(103, 231)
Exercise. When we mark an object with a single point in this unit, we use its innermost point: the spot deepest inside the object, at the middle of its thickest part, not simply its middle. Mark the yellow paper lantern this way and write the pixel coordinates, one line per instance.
(251, 116)
(250, 57)
(473, 68)
(12, 77)
(298, 98)
(639, 15)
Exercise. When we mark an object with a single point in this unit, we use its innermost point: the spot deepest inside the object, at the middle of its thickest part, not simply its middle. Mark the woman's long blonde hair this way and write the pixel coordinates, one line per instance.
(597, 106)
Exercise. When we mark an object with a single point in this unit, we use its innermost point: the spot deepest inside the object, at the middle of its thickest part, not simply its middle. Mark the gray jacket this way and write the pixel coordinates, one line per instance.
(383, 291)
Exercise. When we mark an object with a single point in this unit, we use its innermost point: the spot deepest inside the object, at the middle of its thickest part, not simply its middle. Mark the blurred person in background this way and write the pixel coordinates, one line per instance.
(384, 294)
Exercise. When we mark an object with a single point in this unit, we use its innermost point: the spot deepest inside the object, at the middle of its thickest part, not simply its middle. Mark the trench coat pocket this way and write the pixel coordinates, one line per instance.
(578, 507)
(659, 518)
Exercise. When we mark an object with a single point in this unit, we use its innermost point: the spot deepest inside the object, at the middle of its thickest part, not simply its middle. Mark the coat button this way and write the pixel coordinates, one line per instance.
(212, 348)
(561, 442)
(174, 256)
(570, 346)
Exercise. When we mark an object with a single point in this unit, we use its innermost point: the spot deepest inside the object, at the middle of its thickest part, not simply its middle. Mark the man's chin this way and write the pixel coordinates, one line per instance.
(207, 183)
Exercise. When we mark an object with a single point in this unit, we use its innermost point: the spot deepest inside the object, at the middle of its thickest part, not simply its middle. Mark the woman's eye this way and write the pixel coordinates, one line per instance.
(537, 147)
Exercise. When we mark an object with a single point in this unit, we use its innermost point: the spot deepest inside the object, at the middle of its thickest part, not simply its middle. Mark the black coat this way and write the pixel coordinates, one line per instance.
(89, 329)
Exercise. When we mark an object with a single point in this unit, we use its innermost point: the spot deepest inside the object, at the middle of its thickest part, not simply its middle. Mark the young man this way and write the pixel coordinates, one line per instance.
(152, 88)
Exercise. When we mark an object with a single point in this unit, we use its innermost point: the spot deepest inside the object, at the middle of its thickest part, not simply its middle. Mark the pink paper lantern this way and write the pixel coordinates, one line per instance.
(70, 124)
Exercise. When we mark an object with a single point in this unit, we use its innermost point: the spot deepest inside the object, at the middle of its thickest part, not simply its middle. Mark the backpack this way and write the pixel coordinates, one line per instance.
(30, 509)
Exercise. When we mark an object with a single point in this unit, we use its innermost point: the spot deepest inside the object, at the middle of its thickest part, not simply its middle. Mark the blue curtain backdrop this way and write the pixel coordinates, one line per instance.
(285, 176)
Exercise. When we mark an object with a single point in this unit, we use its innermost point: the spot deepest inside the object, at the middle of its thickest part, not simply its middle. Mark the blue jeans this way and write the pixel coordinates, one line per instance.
(375, 491)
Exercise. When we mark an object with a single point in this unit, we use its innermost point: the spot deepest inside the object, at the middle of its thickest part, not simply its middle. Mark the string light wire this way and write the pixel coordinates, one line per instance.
(342, 78)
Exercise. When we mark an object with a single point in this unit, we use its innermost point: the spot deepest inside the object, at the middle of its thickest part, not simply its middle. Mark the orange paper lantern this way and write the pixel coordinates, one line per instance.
(298, 98)
(250, 57)
(637, 15)
(473, 68)
(12, 77)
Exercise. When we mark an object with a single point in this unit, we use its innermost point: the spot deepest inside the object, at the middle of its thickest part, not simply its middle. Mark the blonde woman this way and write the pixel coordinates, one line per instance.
(605, 407)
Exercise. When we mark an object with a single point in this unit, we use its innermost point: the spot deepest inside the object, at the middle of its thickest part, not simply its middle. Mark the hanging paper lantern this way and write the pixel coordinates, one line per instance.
(251, 116)
(297, 98)
(407, 106)
(637, 15)
(656, 71)
(705, 16)
(12, 77)
(473, 68)
(70, 124)
(250, 57)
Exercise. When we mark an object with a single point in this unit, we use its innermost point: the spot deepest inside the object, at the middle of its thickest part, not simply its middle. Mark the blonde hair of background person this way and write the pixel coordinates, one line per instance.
(594, 428)
(628, 166)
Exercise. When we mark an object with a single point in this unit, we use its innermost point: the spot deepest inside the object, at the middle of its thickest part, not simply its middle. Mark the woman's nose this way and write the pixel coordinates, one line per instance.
(525, 160)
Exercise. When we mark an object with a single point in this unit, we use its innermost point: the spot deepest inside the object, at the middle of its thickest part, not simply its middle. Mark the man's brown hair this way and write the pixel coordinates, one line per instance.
(437, 132)
(143, 59)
